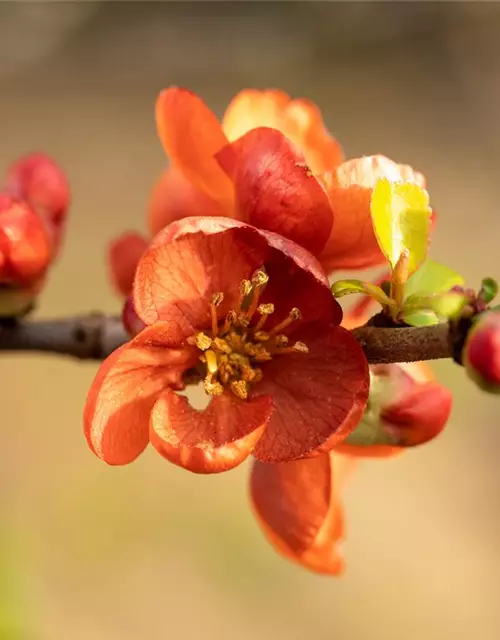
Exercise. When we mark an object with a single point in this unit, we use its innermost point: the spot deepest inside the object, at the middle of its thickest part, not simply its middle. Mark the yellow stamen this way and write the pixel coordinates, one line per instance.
(219, 344)
(212, 364)
(292, 316)
(245, 289)
(301, 347)
(217, 298)
(239, 388)
(261, 336)
(281, 340)
(265, 310)
(298, 347)
(203, 341)
(213, 388)
(229, 321)
(259, 279)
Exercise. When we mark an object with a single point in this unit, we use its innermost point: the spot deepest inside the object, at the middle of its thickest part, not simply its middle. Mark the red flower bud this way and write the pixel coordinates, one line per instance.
(39, 181)
(417, 414)
(24, 244)
(406, 408)
(481, 355)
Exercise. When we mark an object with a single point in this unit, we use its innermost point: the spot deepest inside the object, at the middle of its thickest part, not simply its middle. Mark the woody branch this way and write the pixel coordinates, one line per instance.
(94, 336)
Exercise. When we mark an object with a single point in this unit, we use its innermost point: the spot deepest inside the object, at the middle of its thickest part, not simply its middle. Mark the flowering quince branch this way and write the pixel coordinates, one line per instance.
(95, 336)
(87, 337)
(231, 290)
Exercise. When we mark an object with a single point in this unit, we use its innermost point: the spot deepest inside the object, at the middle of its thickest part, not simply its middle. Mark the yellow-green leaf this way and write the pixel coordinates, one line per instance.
(432, 277)
(445, 305)
(346, 287)
(401, 219)
(420, 317)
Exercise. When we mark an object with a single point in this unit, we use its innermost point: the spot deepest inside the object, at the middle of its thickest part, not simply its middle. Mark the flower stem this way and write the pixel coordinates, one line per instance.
(95, 336)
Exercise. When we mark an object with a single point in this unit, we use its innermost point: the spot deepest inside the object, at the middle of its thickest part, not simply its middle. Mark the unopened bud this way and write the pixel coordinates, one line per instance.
(481, 354)
(39, 181)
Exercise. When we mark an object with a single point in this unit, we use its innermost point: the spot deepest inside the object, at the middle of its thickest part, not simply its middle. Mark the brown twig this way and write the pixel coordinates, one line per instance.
(90, 337)
(95, 336)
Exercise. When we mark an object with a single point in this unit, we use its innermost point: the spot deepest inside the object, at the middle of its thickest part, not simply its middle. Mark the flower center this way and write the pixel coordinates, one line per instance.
(234, 350)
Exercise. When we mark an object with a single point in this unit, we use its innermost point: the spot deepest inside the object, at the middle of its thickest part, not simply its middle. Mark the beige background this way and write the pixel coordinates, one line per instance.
(150, 551)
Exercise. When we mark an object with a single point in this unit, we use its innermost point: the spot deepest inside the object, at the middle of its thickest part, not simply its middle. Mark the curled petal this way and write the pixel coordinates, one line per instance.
(297, 506)
(174, 198)
(123, 257)
(24, 244)
(275, 189)
(352, 243)
(319, 396)
(128, 383)
(299, 120)
(210, 441)
(191, 135)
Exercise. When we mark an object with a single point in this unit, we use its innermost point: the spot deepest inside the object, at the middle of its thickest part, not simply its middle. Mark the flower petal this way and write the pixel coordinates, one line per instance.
(174, 197)
(119, 403)
(191, 135)
(275, 189)
(319, 396)
(123, 257)
(299, 120)
(297, 506)
(296, 279)
(210, 441)
(352, 243)
(190, 261)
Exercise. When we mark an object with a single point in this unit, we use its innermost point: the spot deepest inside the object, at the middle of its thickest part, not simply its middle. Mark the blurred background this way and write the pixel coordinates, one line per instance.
(149, 551)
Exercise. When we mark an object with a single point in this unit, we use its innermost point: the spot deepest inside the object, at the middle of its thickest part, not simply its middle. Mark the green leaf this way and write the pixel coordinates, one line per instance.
(432, 277)
(420, 318)
(489, 290)
(401, 219)
(346, 287)
(421, 311)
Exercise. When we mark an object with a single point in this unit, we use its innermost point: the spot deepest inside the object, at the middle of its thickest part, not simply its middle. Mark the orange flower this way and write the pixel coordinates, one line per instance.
(273, 164)
(251, 314)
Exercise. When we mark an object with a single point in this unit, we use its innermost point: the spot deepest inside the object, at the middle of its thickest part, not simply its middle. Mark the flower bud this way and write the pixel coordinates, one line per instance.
(24, 245)
(481, 354)
(406, 408)
(39, 181)
(25, 256)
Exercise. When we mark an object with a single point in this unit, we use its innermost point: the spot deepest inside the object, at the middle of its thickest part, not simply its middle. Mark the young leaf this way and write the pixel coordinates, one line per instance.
(401, 219)
(426, 310)
(489, 290)
(432, 277)
(346, 287)
(420, 317)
